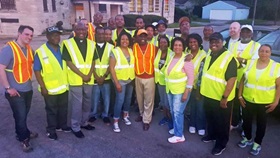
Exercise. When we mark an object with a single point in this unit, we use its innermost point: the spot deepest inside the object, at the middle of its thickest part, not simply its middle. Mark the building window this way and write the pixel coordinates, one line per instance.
(102, 8)
(139, 6)
(156, 5)
(45, 5)
(151, 5)
(166, 6)
(121, 8)
(8, 4)
(132, 6)
(53, 6)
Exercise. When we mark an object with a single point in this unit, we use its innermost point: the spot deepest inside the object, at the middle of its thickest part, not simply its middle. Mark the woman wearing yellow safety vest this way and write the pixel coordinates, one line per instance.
(161, 60)
(259, 93)
(179, 77)
(122, 73)
(197, 119)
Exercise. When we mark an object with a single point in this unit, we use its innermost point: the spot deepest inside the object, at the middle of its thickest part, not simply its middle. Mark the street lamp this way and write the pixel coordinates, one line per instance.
(254, 14)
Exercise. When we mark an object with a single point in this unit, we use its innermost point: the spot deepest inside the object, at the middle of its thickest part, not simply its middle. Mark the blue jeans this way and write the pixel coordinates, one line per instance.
(20, 107)
(197, 111)
(177, 108)
(123, 100)
(163, 96)
(104, 90)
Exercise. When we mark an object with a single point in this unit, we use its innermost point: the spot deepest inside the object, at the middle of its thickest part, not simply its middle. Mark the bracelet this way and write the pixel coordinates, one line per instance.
(240, 97)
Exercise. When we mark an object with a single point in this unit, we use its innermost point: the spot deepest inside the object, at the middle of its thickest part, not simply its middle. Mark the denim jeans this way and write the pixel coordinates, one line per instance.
(123, 100)
(104, 90)
(20, 106)
(162, 96)
(177, 108)
(197, 111)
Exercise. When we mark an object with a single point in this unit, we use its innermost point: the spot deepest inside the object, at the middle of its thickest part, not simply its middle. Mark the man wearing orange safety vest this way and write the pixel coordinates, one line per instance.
(97, 20)
(16, 60)
(144, 54)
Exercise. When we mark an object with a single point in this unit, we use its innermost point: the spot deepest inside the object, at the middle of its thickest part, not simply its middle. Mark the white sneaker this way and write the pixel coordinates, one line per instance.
(116, 127)
(176, 139)
(171, 131)
(191, 129)
(126, 121)
(201, 132)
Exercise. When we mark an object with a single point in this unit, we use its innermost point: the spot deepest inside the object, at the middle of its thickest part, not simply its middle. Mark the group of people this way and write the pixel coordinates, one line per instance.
(104, 65)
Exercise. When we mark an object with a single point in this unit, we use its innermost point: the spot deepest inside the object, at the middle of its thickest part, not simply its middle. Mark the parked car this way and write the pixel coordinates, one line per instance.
(258, 33)
(273, 39)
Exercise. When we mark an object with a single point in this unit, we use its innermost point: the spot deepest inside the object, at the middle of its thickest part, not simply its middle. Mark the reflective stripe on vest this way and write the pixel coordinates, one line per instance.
(144, 61)
(159, 73)
(22, 67)
(78, 60)
(263, 89)
(102, 63)
(196, 62)
(124, 70)
(176, 80)
(51, 69)
(213, 83)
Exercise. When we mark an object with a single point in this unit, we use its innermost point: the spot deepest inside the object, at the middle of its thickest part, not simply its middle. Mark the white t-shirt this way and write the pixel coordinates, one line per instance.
(231, 41)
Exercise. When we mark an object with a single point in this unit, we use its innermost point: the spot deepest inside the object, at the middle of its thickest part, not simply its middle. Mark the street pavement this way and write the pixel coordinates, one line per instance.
(132, 142)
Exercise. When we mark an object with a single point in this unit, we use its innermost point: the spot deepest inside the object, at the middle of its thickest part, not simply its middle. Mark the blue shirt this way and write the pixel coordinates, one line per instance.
(37, 64)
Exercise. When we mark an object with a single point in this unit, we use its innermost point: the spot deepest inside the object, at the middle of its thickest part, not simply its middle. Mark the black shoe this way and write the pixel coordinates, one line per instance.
(106, 120)
(207, 139)
(79, 134)
(52, 136)
(218, 150)
(66, 130)
(92, 119)
(26, 147)
(88, 127)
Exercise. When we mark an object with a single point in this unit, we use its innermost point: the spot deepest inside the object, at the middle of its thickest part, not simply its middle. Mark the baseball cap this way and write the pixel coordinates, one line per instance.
(141, 31)
(53, 29)
(184, 18)
(248, 27)
(161, 22)
(216, 36)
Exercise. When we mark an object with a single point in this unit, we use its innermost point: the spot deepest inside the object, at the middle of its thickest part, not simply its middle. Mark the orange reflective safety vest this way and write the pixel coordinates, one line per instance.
(91, 32)
(144, 61)
(22, 68)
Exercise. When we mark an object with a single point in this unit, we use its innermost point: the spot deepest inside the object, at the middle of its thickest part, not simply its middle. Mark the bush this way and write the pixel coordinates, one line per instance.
(148, 19)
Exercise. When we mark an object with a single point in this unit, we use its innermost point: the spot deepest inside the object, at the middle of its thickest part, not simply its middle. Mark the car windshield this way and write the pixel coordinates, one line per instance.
(270, 38)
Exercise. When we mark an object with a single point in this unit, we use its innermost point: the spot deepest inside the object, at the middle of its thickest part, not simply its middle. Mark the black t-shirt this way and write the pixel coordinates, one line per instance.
(232, 66)
(82, 45)
(99, 51)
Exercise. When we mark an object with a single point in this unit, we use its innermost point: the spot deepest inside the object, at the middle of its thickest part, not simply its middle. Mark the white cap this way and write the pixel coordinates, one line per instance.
(247, 26)
(154, 24)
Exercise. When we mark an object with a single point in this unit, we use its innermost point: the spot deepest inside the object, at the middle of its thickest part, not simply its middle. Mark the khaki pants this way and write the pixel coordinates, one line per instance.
(145, 93)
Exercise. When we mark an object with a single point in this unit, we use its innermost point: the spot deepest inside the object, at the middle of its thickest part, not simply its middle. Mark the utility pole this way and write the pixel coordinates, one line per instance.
(276, 12)
(162, 8)
(89, 9)
(254, 14)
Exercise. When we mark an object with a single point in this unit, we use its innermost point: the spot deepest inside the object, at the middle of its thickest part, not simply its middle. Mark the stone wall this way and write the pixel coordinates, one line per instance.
(31, 12)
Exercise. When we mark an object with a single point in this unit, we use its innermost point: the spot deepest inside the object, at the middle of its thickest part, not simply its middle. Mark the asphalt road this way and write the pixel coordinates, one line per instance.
(132, 142)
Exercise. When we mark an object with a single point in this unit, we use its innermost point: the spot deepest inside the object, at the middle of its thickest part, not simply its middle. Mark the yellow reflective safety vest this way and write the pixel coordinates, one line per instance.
(156, 39)
(176, 80)
(124, 70)
(102, 64)
(247, 54)
(196, 62)
(153, 41)
(213, 83)
(159, 73)
(115, 34)
(78, 60)
(54, 76)
(263, 89)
